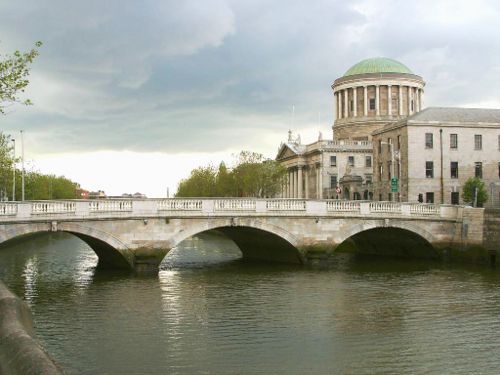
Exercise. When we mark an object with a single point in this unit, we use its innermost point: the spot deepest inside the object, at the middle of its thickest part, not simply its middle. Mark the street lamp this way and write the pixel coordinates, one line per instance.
(22, 164)
(391, 148)
(14, 170)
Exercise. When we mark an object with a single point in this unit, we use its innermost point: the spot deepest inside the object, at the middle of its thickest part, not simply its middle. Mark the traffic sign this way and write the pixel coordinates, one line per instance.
(394, 185)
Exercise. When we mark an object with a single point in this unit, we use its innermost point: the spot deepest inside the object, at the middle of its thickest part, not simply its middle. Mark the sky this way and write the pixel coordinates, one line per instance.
(129, 96)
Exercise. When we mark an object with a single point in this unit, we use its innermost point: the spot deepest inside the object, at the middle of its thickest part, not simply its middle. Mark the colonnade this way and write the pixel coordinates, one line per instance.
(342, 100)
(297, 185)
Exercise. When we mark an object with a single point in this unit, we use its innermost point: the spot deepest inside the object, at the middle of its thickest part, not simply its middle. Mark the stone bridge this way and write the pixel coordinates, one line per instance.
(137, 234)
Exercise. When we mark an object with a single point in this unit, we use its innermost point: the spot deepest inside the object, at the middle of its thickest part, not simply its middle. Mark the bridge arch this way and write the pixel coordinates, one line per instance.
(255, 239)
(393, 238)
(112, 253)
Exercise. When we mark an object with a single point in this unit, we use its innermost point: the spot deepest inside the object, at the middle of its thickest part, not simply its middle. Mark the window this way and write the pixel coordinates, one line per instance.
(333, 181)
(352, 105)
(429, 141)
(412, 105)
(399, 142)
(454, 169)
(389, 140)
(478, 169)
(333, 161)
(429, 197)
(368, 178)
(389, 176)
(350, 161)
(368, 161)
(429, 169)
(372, 104)
(380, 171)
(453, 141)
(478, 142)
(379, 146)
(455, 197)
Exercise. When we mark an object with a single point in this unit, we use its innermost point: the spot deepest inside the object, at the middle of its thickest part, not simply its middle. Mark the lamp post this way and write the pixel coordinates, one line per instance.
(391, 148)
(22, 165)
(14, 170)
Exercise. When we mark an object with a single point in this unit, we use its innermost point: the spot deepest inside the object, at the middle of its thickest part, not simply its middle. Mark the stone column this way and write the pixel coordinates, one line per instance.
(355, 101)
(320, 181)
(290, 184)
(306, 178)
(299, 182)
(418, 99)
(339, 99)
(346, 106)
(377, 99)
(389, 100)
(409, 100)
(400, 100)
(365, 92)
(421, 98)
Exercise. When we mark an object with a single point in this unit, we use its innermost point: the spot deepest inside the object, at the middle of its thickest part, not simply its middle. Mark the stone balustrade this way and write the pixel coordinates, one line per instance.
(104, 208)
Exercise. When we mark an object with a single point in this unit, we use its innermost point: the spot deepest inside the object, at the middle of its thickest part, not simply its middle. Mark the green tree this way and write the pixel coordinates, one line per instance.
(201, 183)
(224, 185)
(14, 72)
(6, 165)
(469, 189)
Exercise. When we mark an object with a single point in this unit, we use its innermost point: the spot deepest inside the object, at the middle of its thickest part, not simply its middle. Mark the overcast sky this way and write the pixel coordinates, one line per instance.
(130, 95)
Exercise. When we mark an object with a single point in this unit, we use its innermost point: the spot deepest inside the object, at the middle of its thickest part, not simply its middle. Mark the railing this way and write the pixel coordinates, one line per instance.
(11, 211)
(110, 206)
(286, 205)
(42, 208)
(235, 205)
(424, 209)
(180, 205)
(385, 207)
(343, 206)
(7, 209)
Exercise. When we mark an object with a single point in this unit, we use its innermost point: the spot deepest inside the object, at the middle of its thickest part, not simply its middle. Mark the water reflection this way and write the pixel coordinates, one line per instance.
(210, 312)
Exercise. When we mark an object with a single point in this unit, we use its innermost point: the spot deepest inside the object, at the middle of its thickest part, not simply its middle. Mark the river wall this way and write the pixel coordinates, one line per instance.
(491, 233)
(20, 353)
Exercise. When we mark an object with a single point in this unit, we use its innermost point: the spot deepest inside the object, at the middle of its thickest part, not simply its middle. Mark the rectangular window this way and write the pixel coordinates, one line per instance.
(478, 142)
(380, 171)
(389, 141)
(352, 106)
(454, 141)
(350, 161)
(389, 175)
(429, 141)
(333, 181)
(372, 104)
(333, 161)
(429, 197)
(429, 169)
(454, 169)
(455, 197)
(368, 178)
(379, 146)
(368, 161)
(478, 169)
(399, 142)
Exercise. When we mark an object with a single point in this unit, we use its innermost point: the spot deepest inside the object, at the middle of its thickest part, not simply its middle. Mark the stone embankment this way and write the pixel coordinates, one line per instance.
(492, 231)
(20, 353)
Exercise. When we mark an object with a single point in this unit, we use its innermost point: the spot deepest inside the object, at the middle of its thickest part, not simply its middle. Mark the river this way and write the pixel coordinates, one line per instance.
(209, 312)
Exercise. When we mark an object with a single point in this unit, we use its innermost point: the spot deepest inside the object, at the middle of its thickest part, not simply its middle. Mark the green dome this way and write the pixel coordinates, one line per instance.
(378, 65)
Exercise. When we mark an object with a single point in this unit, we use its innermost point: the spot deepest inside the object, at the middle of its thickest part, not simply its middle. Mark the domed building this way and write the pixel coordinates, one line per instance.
(372, 93)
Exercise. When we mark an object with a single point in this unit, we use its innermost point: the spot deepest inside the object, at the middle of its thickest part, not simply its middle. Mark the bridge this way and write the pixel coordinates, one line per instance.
(137, 234)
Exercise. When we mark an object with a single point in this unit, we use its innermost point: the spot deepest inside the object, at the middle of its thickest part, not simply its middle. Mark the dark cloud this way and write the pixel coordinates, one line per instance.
(193, 75)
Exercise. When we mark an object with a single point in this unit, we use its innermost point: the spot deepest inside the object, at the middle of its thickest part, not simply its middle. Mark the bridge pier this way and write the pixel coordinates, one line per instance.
(148, 260)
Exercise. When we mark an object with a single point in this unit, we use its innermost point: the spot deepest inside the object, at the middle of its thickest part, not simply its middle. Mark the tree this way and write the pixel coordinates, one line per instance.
(14, 72)
(201, 183)
(469, 190)
(6, 164)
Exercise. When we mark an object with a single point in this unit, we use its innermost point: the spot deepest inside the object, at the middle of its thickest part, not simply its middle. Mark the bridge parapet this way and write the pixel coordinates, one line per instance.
(110, 208)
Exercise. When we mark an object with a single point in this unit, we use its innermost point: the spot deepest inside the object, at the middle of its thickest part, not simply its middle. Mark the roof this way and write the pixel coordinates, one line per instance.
(457, 115)
(378, 65)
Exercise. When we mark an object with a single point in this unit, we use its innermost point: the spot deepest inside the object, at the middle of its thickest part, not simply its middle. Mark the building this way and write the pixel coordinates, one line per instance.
(369, 95)
(434, 152)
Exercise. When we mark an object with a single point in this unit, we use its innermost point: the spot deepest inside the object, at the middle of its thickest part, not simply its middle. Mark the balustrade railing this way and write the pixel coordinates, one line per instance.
(41, 208)
(385, 207)
(110, 206)
(286, 205)
(180, 205)
(343, 206)
(7, 209)
(424, 209)
(234, 205)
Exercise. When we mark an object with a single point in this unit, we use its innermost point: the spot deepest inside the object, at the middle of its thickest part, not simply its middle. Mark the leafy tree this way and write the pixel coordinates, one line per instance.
(469, 190)
(252, 176)
(14, 72)
(6, 163)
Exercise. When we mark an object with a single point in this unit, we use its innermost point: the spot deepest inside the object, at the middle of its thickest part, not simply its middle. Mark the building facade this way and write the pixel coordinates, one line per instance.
(370, 94)
(434, 152)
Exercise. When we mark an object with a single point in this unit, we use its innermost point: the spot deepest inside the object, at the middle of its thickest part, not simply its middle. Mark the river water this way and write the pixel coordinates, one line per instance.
(209, 312)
